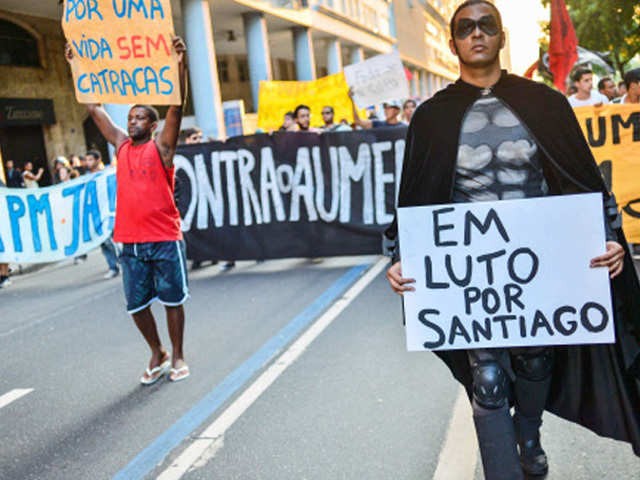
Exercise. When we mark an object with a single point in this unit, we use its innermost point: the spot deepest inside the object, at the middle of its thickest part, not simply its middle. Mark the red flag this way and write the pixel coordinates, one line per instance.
(563, 49)
(529, 73)
(408, 74)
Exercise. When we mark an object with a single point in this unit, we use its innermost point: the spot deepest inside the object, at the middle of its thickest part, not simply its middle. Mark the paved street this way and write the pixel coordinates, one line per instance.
(346, 402)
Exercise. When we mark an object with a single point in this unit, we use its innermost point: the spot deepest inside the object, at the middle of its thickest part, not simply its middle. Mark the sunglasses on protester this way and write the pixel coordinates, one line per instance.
(466, 26)
(327, 112)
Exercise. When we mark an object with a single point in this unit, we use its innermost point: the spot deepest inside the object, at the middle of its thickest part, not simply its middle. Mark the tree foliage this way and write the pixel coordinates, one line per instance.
(609, 26)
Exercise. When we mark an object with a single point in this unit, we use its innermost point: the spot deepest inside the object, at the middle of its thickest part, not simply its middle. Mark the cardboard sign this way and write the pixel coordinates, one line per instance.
(277, 98)
(377, 80)
(506, 274)
(613, 133)
(122, 51)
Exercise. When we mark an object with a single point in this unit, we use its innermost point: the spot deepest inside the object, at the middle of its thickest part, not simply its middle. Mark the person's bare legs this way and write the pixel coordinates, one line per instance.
(175, 323)
(147, 326)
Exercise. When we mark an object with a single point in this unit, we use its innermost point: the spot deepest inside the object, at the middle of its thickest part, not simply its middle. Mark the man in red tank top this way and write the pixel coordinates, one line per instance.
(148, 224)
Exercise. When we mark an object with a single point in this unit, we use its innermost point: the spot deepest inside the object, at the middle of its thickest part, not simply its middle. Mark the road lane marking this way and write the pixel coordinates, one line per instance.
(459, 454)
(216, 430)
(155, 453)
(14, 395)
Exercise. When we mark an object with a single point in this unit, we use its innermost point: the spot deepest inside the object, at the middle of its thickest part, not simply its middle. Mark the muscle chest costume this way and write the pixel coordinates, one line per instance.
(597, 386)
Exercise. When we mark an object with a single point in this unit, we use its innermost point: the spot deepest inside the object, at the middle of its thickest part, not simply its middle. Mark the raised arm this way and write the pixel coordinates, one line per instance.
(356, 118)
(168, 137)
(110, 131)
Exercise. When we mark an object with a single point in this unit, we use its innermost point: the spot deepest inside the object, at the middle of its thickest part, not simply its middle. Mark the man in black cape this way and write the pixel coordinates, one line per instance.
(493, 136)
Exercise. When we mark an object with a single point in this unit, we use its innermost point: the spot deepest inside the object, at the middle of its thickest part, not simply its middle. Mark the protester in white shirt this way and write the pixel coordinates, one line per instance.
(583, 80)
(632, 84)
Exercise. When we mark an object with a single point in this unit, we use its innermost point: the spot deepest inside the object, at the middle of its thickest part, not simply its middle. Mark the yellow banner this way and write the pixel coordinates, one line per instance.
(122, 51)
(278, 98)
(613, 133)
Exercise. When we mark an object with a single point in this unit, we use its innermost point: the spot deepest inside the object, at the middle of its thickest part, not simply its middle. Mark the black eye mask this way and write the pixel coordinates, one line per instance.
(466, 26)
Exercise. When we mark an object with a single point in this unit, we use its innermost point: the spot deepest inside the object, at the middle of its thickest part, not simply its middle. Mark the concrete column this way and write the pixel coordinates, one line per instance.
(424, 91)
(203, 69)
(334, 56)
(415, 77)
(258, 51)
(303, 49)
(120, 115)
(357, 55)
(392, 25)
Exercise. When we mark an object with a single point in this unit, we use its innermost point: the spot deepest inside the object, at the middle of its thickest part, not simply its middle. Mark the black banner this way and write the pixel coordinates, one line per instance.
(289, 194)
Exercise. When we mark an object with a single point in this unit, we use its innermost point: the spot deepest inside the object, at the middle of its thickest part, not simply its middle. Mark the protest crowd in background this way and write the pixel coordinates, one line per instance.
(581, 91)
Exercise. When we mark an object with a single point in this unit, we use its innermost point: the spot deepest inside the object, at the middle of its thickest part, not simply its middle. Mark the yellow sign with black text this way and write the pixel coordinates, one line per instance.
(277, 98)
(613, 133)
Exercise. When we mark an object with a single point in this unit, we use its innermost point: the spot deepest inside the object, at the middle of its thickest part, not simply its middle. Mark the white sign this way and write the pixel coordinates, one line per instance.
(53, 223)
(378, 79)
(506, 274)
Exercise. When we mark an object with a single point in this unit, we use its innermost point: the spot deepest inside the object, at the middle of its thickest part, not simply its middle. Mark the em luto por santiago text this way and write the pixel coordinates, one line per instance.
(494, 310)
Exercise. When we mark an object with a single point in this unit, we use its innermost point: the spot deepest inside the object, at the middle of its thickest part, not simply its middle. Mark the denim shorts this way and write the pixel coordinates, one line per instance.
(154, 271)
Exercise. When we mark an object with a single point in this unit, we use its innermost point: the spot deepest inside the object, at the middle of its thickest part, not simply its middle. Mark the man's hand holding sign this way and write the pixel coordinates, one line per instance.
(488, 275)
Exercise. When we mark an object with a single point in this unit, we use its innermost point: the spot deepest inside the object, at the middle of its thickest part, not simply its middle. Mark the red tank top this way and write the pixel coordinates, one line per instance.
(145, 208)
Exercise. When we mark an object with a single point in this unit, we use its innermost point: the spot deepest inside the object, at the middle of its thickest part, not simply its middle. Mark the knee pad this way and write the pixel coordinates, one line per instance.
(536, 367)
(489, 385)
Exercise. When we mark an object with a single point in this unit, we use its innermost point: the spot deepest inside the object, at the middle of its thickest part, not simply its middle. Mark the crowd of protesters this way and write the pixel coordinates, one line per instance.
(581, 91)
(627, 91)
(396, 114)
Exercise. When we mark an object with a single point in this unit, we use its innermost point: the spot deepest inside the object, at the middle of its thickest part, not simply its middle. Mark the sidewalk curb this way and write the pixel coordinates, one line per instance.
(31, 268)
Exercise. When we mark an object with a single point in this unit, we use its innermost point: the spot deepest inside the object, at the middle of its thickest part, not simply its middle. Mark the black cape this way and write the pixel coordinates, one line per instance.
(596, 386)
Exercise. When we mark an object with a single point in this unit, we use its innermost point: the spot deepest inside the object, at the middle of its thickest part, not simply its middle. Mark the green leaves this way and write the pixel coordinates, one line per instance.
(607, 26)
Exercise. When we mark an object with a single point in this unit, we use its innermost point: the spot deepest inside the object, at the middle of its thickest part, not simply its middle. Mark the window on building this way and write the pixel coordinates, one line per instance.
(285, 70)
(223, 71)
(243, 70)
(17, 46)
(358, 10)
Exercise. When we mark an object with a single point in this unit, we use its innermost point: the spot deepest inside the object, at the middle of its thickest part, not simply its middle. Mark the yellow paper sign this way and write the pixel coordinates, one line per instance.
(278, 98)
(122, 51)
(613, 133)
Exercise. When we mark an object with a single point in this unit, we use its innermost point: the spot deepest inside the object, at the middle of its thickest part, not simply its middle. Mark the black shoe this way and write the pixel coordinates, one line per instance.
(533, 459)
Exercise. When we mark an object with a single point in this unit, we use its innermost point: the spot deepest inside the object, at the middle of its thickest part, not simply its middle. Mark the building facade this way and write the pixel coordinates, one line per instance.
(423, 43)
(232, 45)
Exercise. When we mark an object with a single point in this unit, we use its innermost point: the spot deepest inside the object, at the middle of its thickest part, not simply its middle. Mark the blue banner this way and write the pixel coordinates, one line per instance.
(53, 223)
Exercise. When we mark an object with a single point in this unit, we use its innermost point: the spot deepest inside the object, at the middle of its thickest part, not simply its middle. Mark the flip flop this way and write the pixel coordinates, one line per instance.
(175, 372)
(156, 373)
